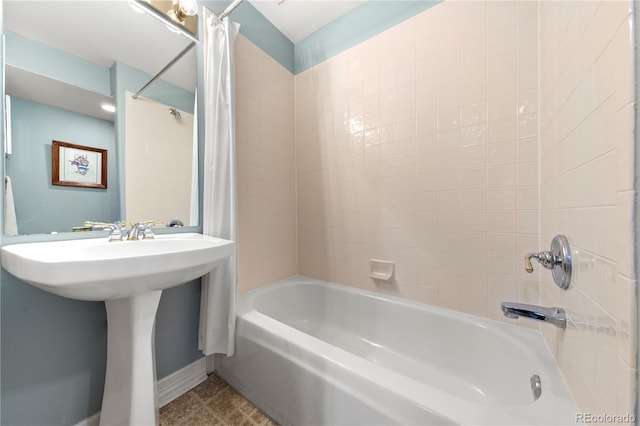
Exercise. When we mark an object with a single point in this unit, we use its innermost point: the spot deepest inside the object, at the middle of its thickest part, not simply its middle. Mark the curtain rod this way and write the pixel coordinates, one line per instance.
(224, 14)
(166, 67)
(230, 9)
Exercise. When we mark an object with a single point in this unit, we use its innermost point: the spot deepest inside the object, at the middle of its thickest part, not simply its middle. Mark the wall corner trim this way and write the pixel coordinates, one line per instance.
(170, 387)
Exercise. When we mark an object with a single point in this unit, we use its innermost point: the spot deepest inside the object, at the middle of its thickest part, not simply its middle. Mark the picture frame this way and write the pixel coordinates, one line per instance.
(78, 165)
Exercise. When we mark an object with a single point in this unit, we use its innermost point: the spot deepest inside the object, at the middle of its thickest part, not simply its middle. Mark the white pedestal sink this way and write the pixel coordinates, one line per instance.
(129, 277)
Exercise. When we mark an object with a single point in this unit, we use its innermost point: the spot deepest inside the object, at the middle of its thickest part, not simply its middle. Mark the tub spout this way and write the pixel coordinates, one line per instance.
(555, 316)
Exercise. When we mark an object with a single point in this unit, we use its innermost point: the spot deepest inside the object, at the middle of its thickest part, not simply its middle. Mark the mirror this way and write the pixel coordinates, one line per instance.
(63, 61)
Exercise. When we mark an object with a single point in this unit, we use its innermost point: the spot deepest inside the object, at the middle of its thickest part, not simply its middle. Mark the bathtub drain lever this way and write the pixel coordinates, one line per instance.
(536, 386)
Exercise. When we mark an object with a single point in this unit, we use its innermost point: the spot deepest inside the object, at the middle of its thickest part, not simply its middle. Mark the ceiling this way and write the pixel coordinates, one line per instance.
(296, 19)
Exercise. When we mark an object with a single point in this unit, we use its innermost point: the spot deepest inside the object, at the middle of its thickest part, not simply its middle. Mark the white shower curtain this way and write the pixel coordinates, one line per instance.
(219, 287)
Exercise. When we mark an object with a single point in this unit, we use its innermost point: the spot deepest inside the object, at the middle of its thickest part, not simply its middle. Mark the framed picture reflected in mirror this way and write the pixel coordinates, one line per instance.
(78, 165)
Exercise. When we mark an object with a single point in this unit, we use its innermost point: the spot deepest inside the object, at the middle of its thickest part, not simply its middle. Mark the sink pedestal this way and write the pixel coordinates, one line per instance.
(130, 394)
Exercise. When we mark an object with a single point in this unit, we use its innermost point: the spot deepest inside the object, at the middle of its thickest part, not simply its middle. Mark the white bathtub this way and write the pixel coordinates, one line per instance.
(314, 353)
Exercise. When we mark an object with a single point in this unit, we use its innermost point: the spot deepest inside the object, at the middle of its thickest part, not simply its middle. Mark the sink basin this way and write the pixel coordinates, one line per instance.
(95, 269)
(129, 277)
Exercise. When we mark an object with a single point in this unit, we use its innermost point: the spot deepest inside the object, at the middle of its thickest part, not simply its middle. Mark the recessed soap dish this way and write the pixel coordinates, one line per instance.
(381, 269)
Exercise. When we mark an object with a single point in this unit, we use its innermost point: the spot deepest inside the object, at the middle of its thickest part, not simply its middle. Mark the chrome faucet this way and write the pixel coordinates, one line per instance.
(555, 316)
(135, 231)
(141, 231)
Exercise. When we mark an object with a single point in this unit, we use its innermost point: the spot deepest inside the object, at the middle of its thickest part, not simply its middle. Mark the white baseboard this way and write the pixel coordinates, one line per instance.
(182, 381)
(170, 387)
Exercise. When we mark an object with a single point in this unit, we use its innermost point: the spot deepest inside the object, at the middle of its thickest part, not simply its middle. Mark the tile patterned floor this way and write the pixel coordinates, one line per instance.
(213, 402)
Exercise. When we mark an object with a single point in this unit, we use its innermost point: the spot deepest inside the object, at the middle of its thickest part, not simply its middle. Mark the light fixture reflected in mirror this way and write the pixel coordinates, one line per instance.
(181, 14)
(182, 9)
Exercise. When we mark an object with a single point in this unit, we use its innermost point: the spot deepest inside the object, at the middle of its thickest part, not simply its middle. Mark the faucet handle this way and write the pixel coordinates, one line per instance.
(527, 262)
(545, 258)
(116, 231)
(148, 232)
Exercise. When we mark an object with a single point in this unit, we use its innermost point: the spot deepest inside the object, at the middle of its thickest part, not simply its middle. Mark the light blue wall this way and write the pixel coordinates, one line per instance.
(40, 206)
(124, 77)
(53, 356)
(177, 328)
(56, 64)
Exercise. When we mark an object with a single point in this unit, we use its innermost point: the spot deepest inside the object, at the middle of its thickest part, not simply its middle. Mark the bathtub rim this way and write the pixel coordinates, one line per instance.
(245, 303)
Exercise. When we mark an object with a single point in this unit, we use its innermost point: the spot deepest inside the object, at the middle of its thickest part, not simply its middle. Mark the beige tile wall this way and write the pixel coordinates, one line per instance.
(420, 146)
(266, 168)
(587, 193)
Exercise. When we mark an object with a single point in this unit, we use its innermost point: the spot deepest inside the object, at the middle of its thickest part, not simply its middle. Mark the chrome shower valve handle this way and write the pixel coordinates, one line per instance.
(557, 259)
(545, 258)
